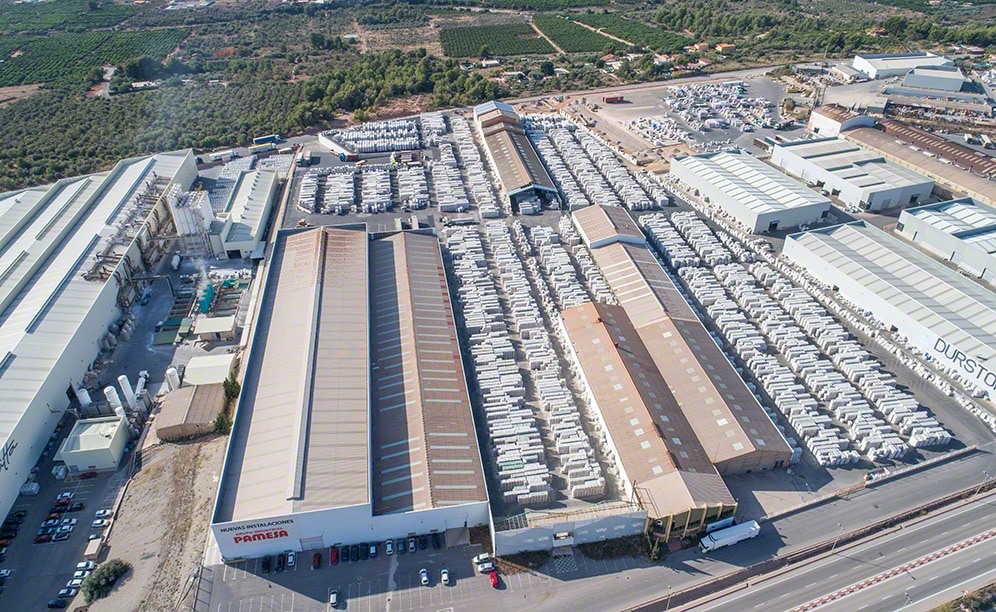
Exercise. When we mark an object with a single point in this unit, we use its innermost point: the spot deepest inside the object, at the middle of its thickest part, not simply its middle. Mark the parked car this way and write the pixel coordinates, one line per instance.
(401, 546)
(424, 576)
(81, 573)
(486, 568)
(46, 531)
(65, 495)
(494, 579)
(411, 544)
(76, 507)
(481, 558)
(100, 523)
(389, 547)
(5, 543)
(444, 576)
(5, 573)
(8, 535)
(86, 565)
(364, 551)
(316, 561)
(52, 522)
(20, 514)
(281, 562)
(104, 513)
(291, 558)
(14, 520)
(354, 553)
(56, 512)
(88, 475)
(69, 521)
(95, 536)
(65, 529)
(55, 604)
(63, 502)
(436, 543)
(423, 542)
(75, 583)
(61, 536)
(266, 564)
(334, 599)
(334, 555)
(68, 593)
(373, 550)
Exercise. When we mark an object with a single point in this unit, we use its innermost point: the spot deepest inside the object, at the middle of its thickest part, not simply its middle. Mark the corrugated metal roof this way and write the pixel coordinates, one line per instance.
(725, 415)
(425, 451)
(604, 224)
(655, 444)
(940, 299)
(301, 440)
(516, 161)
(48, 236)
(199, 404)
(251, 198)
(852, 163)
(956, 216)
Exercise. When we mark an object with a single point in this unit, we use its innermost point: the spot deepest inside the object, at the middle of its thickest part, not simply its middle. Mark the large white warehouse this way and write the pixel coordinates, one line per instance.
(887, 65)
(961, 231)
(69, 252)
(759, 197)
(948, 316)
(354, 423)
(858, 177)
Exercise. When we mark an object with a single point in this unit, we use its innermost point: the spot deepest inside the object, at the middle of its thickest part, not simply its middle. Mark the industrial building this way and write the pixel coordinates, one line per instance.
(189, 412)
(660, 460)
(938, 78)
(887, 65)
(758, 196)
(956, 169)
(858, 177)
(960, 231)
(94, 444)
(831, 119)
(354, 422)
(73, 255)
(512, 155)
(727, 419)
(949, 317)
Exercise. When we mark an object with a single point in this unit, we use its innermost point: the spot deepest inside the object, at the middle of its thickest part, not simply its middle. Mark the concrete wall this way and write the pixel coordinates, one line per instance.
(948, 246)
(337, 526)
(580, 531)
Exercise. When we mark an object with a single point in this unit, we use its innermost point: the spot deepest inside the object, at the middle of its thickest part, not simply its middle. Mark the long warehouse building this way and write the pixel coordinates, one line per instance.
(660, 460)
(71, 255)
(960, 231)
(731, 425)
(354, 422)
(510, 152)
(946, 315)
(858, 177)
(756, 195)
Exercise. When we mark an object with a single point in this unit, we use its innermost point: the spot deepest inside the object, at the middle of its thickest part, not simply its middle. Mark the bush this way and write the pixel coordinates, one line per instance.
(99, 584)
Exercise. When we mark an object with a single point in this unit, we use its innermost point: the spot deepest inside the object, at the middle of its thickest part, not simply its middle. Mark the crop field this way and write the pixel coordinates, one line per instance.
(507, 39)
(635, 32)
(61, 14)
(569, 36)
(66, 59)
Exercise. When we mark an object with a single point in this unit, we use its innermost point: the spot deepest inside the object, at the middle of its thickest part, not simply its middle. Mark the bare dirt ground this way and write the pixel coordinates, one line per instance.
(405, 39)
(162, 524)
(18, 92)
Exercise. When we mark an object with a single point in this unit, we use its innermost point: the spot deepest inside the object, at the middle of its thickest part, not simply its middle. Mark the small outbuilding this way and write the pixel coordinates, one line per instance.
(94, 444)
(189, 412)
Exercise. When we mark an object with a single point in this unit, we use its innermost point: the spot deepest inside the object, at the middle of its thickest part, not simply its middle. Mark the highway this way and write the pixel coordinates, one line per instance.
(882, 560)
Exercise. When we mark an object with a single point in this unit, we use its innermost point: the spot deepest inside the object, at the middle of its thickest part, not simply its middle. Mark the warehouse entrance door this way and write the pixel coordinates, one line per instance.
(312, 543)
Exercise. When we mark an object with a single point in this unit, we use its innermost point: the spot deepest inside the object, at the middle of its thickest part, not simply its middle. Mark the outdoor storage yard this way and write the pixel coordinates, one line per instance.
(159, 525)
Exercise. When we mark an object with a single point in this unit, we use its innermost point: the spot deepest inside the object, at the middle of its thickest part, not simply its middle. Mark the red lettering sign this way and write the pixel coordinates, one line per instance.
(271, 534)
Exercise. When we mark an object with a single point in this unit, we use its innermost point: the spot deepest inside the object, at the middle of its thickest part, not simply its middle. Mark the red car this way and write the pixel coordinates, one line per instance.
(494, 579)
(316, 562)
(63, 502)
(5, 543)
(88, 475)
(43, 539)
(334, 555)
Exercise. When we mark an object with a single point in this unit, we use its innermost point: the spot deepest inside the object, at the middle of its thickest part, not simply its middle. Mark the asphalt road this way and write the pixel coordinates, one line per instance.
(849, 566)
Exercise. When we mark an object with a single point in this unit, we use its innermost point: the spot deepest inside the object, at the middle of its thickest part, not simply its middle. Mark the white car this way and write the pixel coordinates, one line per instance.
(5, 573)
(481, 558)
(65, 529)
(486, 568)
(75, 583)
(424, 576)
(66, 495)
(81, 574)
(389, 547)
(100, 523)
(103, 514)
(69, 521)
(291, 558)
(334, 599)
(86, 565)
(444, 576)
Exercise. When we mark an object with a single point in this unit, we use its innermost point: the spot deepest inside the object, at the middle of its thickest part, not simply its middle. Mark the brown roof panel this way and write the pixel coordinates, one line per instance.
(600, 225)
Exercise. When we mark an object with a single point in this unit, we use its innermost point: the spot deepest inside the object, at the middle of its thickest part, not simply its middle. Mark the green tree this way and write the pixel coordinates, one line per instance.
(99, 583)
(546, 68)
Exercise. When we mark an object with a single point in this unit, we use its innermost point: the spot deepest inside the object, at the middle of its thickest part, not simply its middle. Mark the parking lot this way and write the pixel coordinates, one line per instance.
(40, 571)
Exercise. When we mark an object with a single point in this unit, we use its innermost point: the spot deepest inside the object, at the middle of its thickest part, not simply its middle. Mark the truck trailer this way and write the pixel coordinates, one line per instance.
(266, 139)
(729, 536)
(612, 99)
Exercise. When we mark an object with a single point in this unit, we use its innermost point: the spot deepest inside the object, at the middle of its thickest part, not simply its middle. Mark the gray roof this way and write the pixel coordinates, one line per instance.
(852, 164)
(925, 290)
(48, 238)
(751, 182)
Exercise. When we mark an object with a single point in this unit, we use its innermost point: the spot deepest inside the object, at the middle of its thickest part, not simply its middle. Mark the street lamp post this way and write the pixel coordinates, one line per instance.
(908, 601)
(984, 481)
(840, 531)
(668, 606)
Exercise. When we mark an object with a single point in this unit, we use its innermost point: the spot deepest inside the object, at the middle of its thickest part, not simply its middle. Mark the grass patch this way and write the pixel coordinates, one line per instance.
(629, 546)
(979, 601)
(522, 562)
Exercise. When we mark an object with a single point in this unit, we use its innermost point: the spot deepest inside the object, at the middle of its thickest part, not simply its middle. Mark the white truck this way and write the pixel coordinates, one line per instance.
(728, 536)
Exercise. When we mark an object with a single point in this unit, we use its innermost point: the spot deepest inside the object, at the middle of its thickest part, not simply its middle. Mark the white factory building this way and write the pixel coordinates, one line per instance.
(94, 444)
(938, 78)
(70, 253)
(949, 317)
(888, 65)
(961, 231)
(354, 423)
(831, 119)
(758, 196)
(858, 177)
